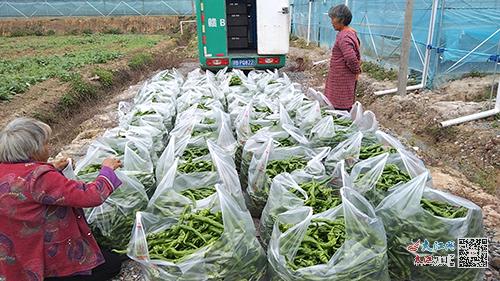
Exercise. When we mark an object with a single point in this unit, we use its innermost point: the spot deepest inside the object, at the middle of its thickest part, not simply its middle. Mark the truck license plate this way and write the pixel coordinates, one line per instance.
(243, 62)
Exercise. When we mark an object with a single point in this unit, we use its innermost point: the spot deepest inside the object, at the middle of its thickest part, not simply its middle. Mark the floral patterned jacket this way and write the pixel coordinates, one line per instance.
(43, 230)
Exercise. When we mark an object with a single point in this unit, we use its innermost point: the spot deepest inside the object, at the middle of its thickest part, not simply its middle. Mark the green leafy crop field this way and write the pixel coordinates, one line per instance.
(25, 61)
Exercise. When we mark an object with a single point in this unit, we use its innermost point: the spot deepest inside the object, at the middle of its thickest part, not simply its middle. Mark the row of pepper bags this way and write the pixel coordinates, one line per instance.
(284, 147)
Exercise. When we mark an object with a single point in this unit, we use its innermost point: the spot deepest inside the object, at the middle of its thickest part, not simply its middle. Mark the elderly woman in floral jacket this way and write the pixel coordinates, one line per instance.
(43, 231)
(345, 63)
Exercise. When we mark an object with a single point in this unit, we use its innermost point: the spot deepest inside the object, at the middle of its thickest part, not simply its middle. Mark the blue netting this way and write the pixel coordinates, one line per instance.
(466, 39)
(26, 8)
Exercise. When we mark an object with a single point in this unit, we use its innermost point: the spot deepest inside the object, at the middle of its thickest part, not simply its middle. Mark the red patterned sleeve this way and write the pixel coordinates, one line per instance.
(347, 47)
(50, 187)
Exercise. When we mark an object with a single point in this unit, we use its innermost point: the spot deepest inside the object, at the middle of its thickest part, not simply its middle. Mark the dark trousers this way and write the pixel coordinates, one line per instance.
(344, 109)
(109, 269)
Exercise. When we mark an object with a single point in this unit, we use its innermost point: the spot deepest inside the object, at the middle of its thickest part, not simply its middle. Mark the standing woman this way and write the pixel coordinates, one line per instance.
(345, 63)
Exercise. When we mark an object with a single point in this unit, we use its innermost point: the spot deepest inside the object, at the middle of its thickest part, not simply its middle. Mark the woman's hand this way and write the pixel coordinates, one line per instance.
(60, 164)
(112, 163)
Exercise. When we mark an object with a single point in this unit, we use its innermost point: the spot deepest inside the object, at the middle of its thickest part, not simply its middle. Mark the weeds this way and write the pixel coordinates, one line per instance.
(378, 72)
(46, 117)
(80, 90)
(31, 31)
(87, 31)
(301, 43)
(106, 77)
(474, 74)
(112, 30)
(139, 61)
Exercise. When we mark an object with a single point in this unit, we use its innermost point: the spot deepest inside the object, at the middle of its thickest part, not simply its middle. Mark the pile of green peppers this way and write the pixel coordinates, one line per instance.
(443, 209)
(255, 128)
(199, 193)
(373, 150)
(195, 167)
(287, 142)
(94, 168)
(193, 152)
(321, 197)
(322, 239)
(192, 232)
(277, 167)
(391, 176)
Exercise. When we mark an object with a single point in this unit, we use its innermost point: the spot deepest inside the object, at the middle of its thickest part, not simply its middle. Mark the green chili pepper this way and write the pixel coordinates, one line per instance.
(90, 169)
(235, 81)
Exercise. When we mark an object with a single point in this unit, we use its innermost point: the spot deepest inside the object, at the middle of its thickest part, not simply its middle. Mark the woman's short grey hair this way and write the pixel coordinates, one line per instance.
(342, 13)
(23, 138)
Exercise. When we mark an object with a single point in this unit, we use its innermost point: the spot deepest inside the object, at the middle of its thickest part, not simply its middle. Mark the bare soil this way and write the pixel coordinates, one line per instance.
(76, 25)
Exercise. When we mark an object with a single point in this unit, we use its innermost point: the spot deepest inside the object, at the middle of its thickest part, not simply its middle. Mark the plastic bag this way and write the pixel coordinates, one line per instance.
(236, 255)
(364, 120)
(326, 133)
(134, 153)
(408, 224)
(286, 194)
(112, 221)
(320, 97)
(359, 146)
(308, 115)
(378, 176)
(260, 174)
(362, 256)
(177, 190)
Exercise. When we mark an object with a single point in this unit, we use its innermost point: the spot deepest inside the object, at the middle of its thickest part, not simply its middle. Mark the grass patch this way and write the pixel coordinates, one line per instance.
(112, 30)
(20, 74)
(106, 77)
(474, 74)
(301, 43)
(438, 133)
(80, 90)
(485, 179)
(139, 61)
(378, 72)
(46, 117)
(32, 31)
